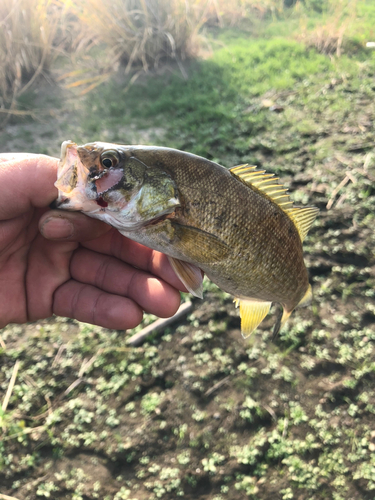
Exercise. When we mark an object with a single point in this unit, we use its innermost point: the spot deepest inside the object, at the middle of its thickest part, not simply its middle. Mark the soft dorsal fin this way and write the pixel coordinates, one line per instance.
(303, 219)
(268, 184)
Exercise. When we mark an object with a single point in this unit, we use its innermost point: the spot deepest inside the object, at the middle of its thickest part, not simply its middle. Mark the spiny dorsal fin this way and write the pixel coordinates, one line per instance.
(267, 183)
(303, 218)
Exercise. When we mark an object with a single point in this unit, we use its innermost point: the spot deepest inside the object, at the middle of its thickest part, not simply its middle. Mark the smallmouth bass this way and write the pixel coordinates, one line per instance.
(238, 226)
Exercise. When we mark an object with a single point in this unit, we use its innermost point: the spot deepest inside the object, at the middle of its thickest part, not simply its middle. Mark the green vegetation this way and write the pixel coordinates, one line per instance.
(199, 412)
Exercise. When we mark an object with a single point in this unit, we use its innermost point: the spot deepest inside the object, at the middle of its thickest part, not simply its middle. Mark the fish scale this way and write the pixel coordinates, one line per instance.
(237, 225)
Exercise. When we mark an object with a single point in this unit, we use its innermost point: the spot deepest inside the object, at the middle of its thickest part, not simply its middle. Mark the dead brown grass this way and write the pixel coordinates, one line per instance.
(235, 13)
(28, 29)
(328, 38)
(137, 34)
(141, 32)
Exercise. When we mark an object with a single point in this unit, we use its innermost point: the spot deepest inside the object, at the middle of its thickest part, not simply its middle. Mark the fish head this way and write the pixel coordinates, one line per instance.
(108, 182)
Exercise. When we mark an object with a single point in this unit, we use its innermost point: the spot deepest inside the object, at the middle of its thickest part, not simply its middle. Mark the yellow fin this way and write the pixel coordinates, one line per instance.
(252, 313)
(267, 183)
(284, 315)
(190, 275)
(307, 298)
(303, 219)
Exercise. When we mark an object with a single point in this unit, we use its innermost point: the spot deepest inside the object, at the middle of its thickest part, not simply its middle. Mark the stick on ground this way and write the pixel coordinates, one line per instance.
(159, 325)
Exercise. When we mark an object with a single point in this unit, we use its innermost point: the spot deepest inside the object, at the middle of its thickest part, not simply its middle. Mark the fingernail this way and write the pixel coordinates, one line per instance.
(57, 228)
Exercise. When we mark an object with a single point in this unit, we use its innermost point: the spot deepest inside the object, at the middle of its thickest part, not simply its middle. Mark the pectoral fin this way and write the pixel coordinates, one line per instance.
(199, 245)
(252, 313)
(190, 275)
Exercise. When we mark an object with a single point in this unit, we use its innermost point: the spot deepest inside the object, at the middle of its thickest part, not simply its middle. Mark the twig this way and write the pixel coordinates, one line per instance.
(73, 386)
(10, 386)
(87, 363)
(58, 355)
(285, 429)
(159, 325)
(347, 178)
(271, 412)
(7, 497)
(28, 430)
(17, 112)
(217, 386)
(49, 405)
(2, 343)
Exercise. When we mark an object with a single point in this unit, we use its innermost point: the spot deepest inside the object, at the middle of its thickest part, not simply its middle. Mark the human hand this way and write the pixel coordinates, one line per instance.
(64, 263)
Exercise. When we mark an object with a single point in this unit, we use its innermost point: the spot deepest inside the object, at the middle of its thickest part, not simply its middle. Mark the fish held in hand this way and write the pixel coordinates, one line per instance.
(238, 226)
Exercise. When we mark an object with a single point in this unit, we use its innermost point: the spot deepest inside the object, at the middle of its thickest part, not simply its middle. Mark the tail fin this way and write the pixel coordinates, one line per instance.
(307, 298)
(280, 322)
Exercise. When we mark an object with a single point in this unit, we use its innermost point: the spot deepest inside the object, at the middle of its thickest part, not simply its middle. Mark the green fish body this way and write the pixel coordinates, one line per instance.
(238, 226)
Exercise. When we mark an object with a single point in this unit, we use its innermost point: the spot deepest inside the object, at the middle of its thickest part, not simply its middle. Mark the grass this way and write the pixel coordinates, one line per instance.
(96, 38)
(218, 109)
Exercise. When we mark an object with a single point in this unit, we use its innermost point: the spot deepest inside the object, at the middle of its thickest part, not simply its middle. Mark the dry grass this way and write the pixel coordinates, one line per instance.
(328, 38)
(28, 29)
(141, 32)
(236, 12)
(137, 34)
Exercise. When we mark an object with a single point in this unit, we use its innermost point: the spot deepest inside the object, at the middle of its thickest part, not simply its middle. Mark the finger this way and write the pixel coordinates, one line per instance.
(91, 305)
(47, 269)
(71, 226)
(137, 255)
(15, 156)
(26, 181)
(111, 275)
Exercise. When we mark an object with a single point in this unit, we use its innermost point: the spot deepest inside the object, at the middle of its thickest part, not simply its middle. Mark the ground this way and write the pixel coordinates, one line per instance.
(198, 411)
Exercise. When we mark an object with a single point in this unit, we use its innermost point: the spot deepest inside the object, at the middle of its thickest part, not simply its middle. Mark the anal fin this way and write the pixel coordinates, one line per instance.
(252, 313)
(190, 275)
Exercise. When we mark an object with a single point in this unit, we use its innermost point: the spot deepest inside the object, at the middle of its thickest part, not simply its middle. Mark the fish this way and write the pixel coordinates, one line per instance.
(238, 226)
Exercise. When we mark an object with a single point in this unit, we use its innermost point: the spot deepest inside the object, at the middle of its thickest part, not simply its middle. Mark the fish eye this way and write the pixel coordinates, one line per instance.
(109, 159)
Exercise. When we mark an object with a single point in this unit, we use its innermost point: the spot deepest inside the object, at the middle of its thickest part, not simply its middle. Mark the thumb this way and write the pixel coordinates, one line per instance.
(71, 226)
(26, 181)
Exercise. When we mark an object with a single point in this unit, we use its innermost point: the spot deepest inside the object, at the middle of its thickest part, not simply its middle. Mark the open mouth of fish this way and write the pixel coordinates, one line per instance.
(76, 182)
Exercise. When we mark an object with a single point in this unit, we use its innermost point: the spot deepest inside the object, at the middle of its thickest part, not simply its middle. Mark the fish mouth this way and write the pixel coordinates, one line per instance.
(107, 180)
(67, 173)
(72, 177)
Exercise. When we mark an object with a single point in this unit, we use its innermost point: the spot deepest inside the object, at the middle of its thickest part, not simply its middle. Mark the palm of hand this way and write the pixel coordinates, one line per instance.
(28, 276)
(89, 275)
